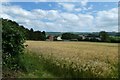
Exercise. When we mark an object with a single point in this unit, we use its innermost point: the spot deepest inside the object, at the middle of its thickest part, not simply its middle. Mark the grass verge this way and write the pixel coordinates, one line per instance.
(33, 67)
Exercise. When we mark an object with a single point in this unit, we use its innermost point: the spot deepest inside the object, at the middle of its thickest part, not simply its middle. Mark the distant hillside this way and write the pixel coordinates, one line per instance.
(53, 33)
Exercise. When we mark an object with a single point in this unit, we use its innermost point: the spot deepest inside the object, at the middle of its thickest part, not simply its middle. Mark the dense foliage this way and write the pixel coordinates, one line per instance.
(69, 36)
(14, 36)
(114, 39)
(102, 36)
(36, 35)
(105, 37)
(12, 44)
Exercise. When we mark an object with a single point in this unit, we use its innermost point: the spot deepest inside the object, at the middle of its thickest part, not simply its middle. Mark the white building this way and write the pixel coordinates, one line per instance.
(59, 38)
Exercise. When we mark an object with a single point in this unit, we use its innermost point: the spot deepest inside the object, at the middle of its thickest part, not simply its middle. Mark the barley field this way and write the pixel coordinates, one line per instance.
(77, 59)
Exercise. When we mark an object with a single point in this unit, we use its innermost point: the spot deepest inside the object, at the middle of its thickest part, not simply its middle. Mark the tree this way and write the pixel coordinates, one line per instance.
(104, 36)
(31, 35)
(44, 33)
(31, 30)
(69, 36)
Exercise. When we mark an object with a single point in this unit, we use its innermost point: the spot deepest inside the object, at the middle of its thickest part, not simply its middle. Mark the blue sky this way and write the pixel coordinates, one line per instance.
(63, 16)
(54, 5)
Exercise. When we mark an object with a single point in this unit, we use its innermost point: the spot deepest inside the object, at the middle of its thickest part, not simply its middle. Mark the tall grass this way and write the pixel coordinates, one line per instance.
(33, 67)
(77, 59)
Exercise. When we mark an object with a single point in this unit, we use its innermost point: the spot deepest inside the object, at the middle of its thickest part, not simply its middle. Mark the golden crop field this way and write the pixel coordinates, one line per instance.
(78, 59)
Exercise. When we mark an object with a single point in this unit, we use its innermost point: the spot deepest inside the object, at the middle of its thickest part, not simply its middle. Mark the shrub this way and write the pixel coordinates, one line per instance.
(114, 39)
(12, 44)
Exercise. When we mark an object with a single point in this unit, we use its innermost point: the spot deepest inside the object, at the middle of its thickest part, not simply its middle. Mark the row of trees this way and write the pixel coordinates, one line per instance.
(36, 35)
(29, 34)
(69, 36)
(103, 37)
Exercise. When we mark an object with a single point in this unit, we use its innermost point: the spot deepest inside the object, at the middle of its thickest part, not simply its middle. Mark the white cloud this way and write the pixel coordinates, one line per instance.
(52, 15)
(16, 11)
(76, 6)
(78, 9)
(4, 0)
(107, 20)
(53, 20)
(69, 17)
(86, 19)
(84, 2)
(87, 8)
(91, 7)
(67, 6)
(5, 16)
(46, 14)
(39, 13)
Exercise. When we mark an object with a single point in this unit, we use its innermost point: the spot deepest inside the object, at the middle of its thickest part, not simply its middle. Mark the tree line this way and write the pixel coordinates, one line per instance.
(29, 34)
(101, 37)
(35, 35)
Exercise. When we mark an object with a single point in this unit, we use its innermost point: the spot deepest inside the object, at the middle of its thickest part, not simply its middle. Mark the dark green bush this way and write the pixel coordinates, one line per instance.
(12, 44)
(114, 39)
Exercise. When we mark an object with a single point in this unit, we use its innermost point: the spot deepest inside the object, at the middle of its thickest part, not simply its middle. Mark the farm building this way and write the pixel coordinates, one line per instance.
(89, 37)
(82, 37)
(59, 38)
(50, 38)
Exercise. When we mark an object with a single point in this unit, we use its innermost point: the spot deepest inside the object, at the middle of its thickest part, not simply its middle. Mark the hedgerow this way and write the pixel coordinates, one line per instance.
(12, 44)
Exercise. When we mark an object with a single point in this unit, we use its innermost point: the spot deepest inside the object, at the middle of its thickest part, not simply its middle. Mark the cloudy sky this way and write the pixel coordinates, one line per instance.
(63, 16)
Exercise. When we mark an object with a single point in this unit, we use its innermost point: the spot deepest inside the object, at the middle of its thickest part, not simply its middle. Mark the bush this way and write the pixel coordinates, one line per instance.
(12, 44)
(114, 39)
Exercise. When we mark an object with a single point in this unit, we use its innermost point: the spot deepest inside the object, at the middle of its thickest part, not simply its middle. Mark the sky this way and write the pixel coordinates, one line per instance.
(63, 16)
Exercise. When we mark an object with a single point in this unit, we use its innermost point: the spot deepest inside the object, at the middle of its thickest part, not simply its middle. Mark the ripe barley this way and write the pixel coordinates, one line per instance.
(91, 59)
